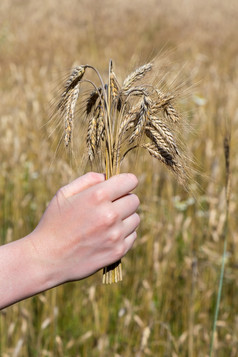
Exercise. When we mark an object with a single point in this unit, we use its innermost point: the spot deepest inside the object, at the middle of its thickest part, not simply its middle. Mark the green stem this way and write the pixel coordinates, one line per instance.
(218, 296)
(225, 234)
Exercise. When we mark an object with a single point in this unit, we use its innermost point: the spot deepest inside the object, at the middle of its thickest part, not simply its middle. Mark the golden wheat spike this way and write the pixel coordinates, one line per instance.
(73, 80)
(164, 131)
(129, 118)
(68, 101)
(69, 113)
(171, 113)
(160, 143)
(75, 77)
(167, 159)
(141, 120)
(159, 106)
(114, 85)
(92, 137)
(92, 100)
(136, 76)
(100, 126)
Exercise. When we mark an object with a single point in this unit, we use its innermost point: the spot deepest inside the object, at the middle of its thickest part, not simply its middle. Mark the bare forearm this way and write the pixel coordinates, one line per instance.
(21, 275)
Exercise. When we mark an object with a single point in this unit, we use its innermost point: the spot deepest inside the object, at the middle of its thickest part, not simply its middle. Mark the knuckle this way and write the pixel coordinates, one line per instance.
(100, 195)
(115, 236)
(110, 218)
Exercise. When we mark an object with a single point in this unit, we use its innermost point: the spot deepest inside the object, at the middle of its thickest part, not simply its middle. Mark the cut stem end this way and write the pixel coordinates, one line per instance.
(112, 273)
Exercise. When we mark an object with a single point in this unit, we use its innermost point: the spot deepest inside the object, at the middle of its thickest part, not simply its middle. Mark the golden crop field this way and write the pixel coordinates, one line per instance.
(165, 304)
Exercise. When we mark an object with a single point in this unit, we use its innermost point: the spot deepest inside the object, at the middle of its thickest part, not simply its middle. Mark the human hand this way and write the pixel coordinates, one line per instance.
(89, 224)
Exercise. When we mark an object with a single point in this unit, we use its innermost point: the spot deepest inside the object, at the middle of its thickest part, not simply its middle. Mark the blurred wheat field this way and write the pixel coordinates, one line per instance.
(165, 304)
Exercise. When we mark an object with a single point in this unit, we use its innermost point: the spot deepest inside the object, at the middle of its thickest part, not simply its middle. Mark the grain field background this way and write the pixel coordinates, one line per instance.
(166, 302)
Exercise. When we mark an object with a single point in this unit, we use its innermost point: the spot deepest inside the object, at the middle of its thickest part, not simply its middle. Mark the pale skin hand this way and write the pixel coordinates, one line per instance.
(89, 224)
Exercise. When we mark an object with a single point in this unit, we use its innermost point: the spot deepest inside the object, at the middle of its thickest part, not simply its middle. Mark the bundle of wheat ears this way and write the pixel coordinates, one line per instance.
(120, 118)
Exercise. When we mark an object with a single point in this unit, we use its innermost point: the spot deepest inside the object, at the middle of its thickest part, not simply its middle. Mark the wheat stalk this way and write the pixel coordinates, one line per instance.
(120, 119)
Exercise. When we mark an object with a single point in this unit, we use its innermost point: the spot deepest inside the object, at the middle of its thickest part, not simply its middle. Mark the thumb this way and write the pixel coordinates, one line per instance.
(82, 183)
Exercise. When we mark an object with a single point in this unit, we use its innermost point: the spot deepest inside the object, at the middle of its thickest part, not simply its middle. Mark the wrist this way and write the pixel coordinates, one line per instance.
(43, 270)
